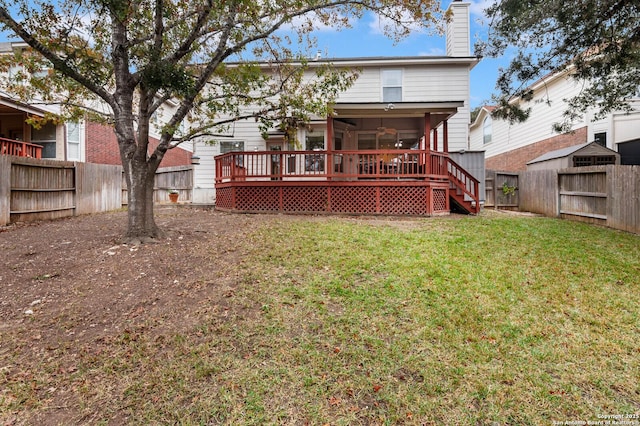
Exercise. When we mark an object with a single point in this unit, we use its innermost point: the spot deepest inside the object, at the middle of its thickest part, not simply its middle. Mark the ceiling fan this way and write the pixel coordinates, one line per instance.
(386, 131)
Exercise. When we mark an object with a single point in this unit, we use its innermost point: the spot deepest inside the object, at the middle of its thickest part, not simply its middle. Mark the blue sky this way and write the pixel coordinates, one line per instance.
(366, 40)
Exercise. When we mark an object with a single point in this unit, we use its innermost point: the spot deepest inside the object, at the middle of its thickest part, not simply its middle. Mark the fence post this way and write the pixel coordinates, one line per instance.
(5, 189)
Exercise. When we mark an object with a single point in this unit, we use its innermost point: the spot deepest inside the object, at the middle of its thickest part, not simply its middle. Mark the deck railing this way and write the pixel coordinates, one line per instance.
(20, 148)
(462, 179)
(337, 165)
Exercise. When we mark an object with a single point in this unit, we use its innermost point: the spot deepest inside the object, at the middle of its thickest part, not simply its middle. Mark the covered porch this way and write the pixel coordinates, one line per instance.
(18, 138)
(377, 159)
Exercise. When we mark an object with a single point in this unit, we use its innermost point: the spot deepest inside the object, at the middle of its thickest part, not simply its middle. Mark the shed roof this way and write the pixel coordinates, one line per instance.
(565, 152)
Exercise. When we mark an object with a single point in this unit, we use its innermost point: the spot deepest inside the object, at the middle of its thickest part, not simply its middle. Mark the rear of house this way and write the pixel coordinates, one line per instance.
(391, 133)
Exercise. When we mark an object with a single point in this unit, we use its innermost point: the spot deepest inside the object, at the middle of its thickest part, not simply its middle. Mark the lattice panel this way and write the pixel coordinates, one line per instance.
(224, 198)
(439, 197)
(403, 200)
(304, 199)
(258, 198)
(353, 199)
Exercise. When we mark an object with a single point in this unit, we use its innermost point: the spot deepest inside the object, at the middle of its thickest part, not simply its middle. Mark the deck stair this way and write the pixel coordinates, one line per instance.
(463, 188)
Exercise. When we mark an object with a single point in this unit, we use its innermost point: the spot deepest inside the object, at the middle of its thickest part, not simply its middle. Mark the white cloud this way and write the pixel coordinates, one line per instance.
(477, 7)
(379, 23)
(434, 51)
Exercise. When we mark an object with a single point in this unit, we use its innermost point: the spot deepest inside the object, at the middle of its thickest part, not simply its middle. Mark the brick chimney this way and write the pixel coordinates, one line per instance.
(458, 29)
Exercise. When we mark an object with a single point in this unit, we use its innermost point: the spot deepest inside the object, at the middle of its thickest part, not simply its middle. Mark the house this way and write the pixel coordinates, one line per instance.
(586, 154)
(83, 141)
(386, 148)
(510, 146)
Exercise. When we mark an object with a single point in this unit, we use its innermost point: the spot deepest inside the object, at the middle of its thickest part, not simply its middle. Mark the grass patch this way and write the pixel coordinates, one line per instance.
(486, 320)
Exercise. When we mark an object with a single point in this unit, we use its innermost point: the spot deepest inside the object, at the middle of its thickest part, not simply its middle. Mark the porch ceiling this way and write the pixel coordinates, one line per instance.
(439, 111)
(8, 106)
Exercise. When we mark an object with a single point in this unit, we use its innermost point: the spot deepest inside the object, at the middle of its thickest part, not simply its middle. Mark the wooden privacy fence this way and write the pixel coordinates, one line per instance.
(179, 178)
(34, 189)
(606, 195)
(501, 190)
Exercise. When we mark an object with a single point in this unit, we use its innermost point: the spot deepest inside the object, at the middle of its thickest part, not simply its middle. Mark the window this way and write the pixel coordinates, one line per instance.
(600, 138)
(231, 146)
(73, 142)
(314, 141)
(486, 130)
(391, 85)
(45, 136)
(593, 160)
(391, 140)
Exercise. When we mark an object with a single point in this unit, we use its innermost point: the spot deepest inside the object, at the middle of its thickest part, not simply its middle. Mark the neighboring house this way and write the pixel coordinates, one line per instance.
(509, 147)
(83, 141)
(394, 128)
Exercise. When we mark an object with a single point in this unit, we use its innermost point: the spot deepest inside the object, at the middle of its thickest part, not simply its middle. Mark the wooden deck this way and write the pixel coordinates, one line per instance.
(388, 182)
(20, 148)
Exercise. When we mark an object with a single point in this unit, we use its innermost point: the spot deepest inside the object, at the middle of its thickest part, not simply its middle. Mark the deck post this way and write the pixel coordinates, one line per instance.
(330, 161)
(424, 155)
(435, 140)
(445, 136)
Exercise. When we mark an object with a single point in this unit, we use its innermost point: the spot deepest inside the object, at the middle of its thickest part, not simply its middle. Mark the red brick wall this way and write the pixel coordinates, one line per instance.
(517, 159)
(102, 148)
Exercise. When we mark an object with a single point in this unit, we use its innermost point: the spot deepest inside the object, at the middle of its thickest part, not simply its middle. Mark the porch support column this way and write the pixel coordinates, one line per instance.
(445, 136)
(435, 139)
(427, 131)
(330, 161)
(425, 156)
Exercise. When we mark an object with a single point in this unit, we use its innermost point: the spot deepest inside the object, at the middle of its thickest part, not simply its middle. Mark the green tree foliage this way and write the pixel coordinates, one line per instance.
(596, 41)
(122, 60)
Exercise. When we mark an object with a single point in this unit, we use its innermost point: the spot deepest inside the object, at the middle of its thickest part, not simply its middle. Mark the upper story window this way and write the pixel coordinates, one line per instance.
(601, 138)
(486, 130)
(391, 85)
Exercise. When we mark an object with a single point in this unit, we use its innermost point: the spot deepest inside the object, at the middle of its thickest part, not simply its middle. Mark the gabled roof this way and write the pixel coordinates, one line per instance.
(565, 152)
(484, 111)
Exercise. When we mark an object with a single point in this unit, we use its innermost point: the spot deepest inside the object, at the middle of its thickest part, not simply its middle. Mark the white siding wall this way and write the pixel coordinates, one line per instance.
(423, 83)
(539, 126)
(367, 87)
(458, 31)
(619, 127)
(626, 127)
(426, 83)
(204, 173)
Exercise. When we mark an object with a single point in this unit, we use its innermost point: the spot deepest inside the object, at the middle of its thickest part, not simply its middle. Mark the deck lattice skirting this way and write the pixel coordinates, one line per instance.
(417, 198)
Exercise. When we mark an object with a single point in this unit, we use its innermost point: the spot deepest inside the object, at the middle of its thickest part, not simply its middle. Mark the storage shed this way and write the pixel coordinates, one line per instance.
(586, 154)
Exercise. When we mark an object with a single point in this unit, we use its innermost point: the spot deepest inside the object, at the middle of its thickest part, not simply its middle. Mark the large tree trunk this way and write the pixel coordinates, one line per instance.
(140, 178)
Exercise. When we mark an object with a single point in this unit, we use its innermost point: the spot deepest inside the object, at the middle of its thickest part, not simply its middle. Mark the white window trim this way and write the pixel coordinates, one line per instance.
(487, 123)
(81, 145)
(382, 86)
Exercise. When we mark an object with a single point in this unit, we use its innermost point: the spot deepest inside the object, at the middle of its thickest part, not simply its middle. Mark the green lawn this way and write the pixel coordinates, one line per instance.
(478, 320)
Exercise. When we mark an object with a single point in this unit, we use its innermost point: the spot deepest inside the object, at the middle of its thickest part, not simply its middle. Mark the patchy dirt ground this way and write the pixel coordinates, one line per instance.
(70, 283)
(69, 288)
(72, 279)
